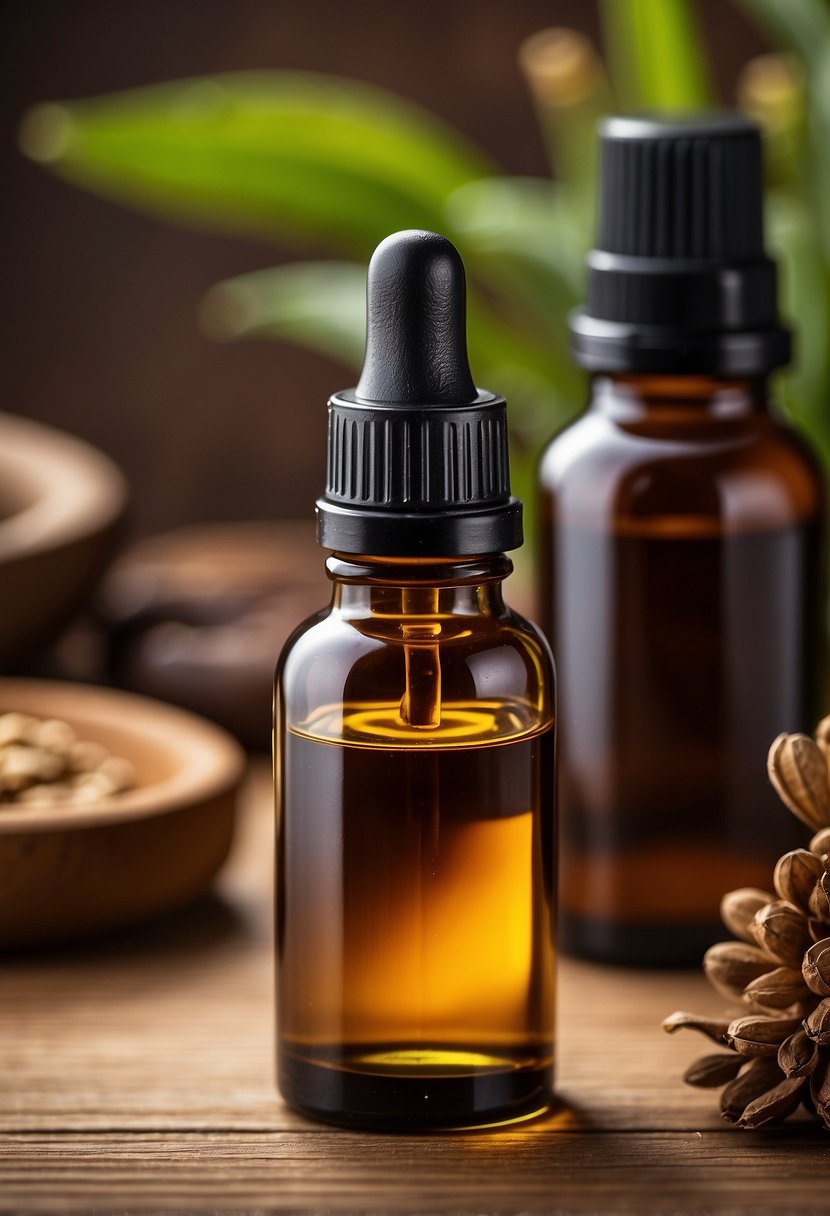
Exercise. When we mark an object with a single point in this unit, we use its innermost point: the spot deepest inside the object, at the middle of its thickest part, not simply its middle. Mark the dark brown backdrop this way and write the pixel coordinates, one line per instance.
(99, 305)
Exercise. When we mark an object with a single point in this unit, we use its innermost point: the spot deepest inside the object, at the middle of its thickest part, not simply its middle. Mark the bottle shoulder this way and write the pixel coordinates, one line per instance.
(335, 659)
(750, 472)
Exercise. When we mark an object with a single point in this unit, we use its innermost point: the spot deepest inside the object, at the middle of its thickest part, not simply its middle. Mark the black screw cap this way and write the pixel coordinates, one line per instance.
(679, 280)
(417, 456)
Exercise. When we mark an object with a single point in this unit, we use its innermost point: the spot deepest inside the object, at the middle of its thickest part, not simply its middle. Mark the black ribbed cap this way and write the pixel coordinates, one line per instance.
(679, 280)
(417, 456)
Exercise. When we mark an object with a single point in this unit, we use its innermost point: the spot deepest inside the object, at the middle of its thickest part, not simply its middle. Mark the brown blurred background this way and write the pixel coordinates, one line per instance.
(99, 305)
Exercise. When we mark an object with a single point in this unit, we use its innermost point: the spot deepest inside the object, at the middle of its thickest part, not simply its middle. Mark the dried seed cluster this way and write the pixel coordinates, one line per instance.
(779, 969)
(43, 761)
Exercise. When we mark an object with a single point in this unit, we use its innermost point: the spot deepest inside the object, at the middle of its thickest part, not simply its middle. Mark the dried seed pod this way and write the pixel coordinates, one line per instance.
(817, 1024)
(777, 989)
(798, 1055)
(798, 770)
(710, 1072)
(780, 967)
(816, 968)
(730, 966)
(760, 1076)
(796, 874)
(738, 908)
(819, 901)
(820, 844)
(757, 1036)
(820, 1090)
(817, 929)
(781, 930)
(775, 1104)
(711, 1027)
(823, 736)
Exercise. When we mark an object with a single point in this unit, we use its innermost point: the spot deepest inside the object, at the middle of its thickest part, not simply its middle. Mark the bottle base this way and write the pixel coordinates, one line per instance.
(402, 1088)
(630, 945)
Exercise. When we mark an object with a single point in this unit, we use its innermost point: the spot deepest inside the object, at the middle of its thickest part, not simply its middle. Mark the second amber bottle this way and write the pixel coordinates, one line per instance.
(681, 551)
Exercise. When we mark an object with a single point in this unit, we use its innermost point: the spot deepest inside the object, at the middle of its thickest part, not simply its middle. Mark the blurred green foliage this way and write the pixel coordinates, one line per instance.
(333, 164)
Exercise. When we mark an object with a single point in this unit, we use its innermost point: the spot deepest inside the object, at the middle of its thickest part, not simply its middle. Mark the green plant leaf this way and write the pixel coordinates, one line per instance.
(818, 162)
(321, 306)
(524, 230)
(656, 56)
(802, 26)
(570, 90)
(318, 305)
(804, 298)
(525, 245)
(284, 155)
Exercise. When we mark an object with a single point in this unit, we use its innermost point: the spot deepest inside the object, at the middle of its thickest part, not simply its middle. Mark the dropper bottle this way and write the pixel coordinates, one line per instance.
(414, 750)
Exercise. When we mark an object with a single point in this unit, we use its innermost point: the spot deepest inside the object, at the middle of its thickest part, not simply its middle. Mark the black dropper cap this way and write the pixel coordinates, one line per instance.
(417, 456)
(679, 281)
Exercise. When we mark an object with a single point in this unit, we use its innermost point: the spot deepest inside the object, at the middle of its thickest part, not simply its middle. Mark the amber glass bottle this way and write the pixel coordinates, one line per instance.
(414, 752)
(681, 553)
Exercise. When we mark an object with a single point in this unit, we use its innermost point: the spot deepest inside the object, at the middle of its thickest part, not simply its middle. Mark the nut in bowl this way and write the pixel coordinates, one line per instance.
(113, 808)
(44, 763)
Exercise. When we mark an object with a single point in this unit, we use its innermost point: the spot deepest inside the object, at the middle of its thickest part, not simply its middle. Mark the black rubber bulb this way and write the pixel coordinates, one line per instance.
(416, 332)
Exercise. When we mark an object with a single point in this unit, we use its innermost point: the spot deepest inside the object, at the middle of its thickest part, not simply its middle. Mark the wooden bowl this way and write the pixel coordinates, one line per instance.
(61, 505)
(67, 872)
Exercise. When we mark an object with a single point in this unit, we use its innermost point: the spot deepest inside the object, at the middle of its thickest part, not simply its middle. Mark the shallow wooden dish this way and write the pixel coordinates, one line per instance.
(61, 506)
(64, 872)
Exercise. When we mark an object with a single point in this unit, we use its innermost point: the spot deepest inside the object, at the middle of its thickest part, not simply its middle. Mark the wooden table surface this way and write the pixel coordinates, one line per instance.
(136, 1075)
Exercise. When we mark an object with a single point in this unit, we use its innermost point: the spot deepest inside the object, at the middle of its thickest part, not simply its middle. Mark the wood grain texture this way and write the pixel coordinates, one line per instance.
(136, 1074)
(343, 1172)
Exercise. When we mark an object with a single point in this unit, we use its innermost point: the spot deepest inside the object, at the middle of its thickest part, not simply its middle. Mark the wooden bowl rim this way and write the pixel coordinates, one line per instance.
(73, 489)
(212, 765)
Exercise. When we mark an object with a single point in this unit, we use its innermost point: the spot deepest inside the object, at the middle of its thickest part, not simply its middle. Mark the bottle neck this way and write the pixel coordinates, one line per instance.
(629, 397)
(417, 587)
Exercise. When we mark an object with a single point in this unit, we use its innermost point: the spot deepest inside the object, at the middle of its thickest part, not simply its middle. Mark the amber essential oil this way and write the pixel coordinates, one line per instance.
(433, 1002)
